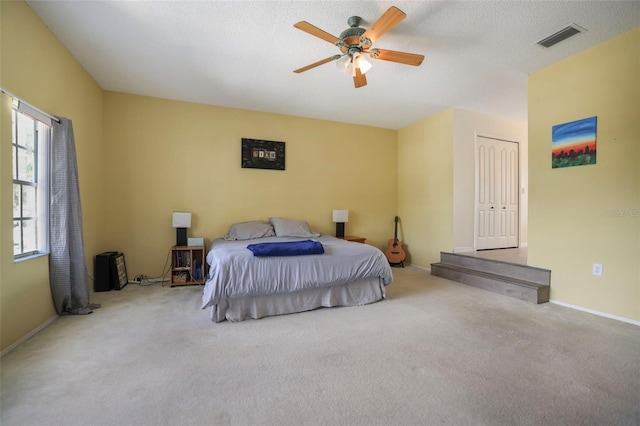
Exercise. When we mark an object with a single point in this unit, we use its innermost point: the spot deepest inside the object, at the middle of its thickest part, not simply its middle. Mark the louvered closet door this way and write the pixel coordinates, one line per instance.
(497, 197)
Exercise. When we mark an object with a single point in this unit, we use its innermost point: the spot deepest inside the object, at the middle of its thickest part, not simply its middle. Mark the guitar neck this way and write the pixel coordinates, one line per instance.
(395, 233)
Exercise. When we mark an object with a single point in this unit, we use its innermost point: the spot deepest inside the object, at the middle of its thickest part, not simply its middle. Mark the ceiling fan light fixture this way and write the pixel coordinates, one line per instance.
(355, 43)
(344, 64)
(354, 63)
(362, 63)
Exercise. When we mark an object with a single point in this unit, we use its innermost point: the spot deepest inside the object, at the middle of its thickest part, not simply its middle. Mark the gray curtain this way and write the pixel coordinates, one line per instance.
(67, 268)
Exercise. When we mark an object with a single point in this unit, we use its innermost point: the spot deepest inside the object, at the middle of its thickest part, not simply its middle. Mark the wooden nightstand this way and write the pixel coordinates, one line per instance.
(187, 265)
(355, 239)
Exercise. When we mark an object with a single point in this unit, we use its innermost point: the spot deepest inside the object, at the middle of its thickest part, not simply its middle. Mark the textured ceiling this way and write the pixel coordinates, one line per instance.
(242, 54)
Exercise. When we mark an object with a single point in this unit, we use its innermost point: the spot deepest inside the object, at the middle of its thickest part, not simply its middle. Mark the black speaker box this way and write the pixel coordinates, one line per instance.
(104, 277)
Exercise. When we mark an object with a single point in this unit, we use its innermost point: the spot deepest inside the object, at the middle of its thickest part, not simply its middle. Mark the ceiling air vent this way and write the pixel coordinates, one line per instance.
(568, 31)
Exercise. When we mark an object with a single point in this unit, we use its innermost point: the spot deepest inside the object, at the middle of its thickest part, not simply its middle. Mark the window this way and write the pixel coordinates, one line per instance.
(30, 141)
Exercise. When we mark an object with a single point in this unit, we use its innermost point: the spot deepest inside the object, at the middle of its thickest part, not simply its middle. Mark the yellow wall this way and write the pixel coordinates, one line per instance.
(36, 67)
(164, 155)
(589, 214)
(425, 188)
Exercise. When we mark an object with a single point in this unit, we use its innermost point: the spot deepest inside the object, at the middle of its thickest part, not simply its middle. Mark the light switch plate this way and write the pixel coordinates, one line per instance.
(597, 269)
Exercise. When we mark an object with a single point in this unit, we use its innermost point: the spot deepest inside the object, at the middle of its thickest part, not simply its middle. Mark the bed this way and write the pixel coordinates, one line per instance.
(241, 285)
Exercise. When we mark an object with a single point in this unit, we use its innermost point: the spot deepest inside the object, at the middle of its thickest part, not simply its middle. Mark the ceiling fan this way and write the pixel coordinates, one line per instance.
(355, 44)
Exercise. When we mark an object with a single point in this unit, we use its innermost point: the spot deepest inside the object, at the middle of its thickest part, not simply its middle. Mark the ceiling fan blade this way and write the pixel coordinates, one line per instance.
(315, 31)
(359, 79)
(393, 56)
(388, 20)
(315, 64)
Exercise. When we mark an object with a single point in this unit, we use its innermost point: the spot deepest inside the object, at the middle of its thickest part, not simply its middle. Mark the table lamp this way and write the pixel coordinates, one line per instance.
(181, 221)
(340, 217)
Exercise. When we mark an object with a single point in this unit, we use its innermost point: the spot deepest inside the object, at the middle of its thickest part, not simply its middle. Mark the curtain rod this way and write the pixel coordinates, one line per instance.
(3, 90)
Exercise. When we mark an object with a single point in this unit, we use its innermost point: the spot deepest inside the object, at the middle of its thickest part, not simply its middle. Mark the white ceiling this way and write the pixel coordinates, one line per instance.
(242, 54)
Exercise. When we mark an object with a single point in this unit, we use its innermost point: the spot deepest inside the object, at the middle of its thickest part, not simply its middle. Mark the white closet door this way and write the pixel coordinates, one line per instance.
(497, 193)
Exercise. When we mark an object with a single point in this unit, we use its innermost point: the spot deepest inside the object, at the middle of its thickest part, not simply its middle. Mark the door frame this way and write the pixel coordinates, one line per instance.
(476, 184)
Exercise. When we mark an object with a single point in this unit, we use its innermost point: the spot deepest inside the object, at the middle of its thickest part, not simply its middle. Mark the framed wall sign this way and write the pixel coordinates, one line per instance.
(261, 154)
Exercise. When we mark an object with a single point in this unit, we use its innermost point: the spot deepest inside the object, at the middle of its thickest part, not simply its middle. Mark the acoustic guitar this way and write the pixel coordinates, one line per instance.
(395, 254)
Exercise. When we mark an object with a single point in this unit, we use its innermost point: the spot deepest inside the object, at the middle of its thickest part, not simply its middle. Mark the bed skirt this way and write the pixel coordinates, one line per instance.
(360, 292)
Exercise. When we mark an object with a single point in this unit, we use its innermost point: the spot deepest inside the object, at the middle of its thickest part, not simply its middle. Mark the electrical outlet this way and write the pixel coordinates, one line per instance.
(597, 269)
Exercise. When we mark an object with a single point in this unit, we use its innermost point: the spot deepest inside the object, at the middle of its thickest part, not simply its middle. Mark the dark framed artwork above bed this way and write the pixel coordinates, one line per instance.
(261, 154)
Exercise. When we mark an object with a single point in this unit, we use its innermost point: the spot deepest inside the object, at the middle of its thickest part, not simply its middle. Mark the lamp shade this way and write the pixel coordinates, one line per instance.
(181, 220)
(344, 64)
(341, 216)
(363, 64)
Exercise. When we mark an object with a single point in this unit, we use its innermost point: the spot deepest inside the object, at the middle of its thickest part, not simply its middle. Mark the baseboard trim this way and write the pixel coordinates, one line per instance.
(592, 311)
(28, 336)
(411, 265)
(463, 249)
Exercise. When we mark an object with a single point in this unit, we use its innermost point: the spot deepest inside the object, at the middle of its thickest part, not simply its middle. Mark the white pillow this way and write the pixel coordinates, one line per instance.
(291, 228)
(249, 230)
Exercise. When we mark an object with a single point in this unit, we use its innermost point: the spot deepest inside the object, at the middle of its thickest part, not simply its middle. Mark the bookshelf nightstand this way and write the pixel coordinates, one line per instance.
(187, 265)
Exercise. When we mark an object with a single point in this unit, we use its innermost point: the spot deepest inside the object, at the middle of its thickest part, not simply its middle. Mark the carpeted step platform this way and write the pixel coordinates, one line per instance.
(523, 282)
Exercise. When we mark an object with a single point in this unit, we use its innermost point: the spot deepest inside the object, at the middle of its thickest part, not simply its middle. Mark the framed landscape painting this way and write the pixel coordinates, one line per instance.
(574, 143)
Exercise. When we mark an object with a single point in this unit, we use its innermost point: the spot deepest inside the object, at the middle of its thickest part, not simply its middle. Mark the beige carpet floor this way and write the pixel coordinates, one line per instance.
(434, 353)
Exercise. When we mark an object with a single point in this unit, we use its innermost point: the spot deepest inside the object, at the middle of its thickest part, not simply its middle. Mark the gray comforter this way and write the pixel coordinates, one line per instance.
(235, 273)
